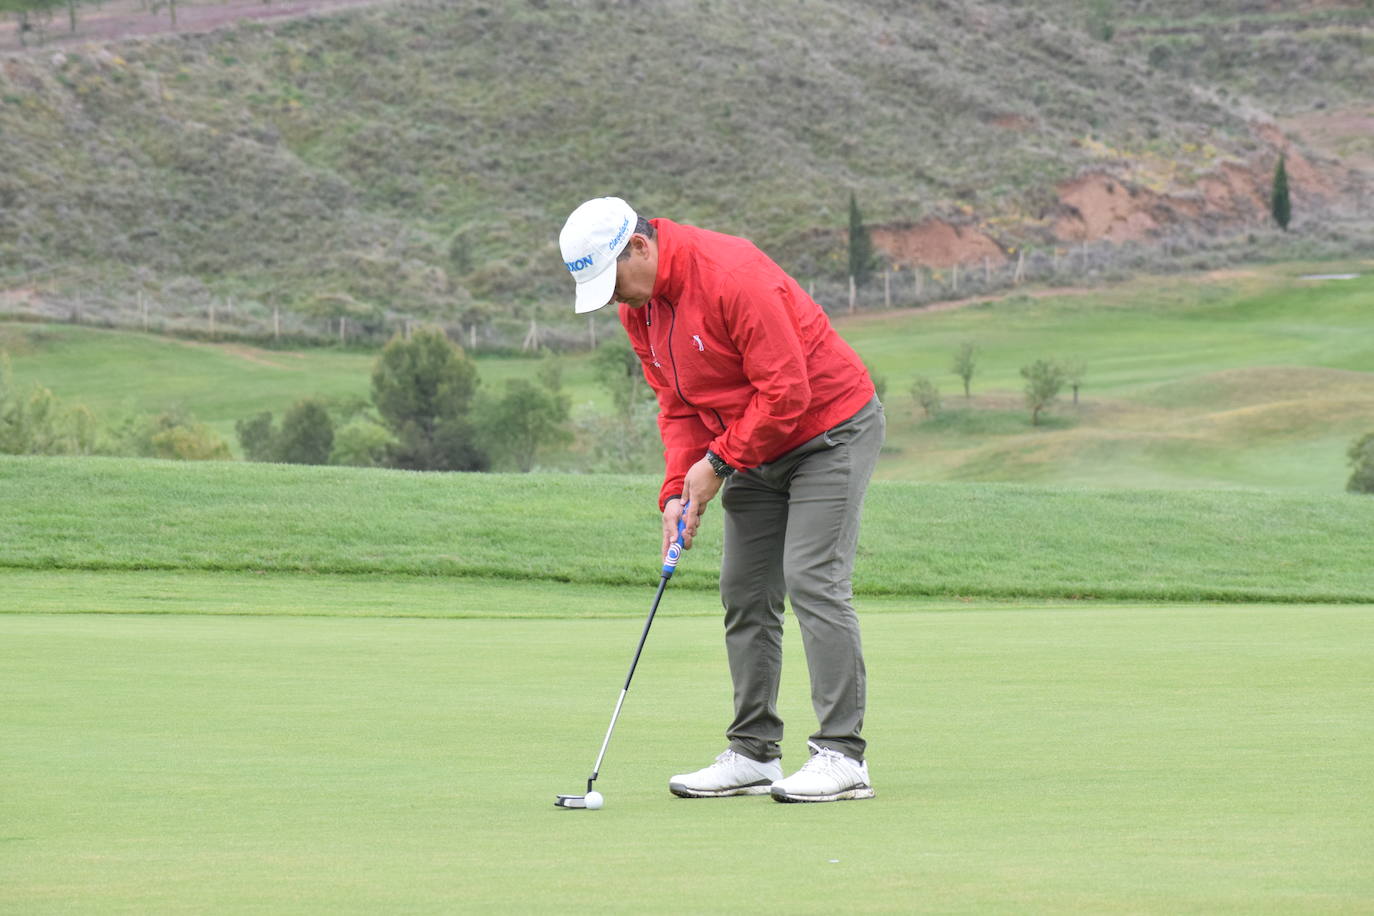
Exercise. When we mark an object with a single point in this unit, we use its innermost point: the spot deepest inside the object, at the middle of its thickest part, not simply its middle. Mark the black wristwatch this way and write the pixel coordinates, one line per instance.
(718, 465)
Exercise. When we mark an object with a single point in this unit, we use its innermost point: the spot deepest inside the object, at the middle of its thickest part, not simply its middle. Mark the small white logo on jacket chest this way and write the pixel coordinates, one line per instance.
(700, 346)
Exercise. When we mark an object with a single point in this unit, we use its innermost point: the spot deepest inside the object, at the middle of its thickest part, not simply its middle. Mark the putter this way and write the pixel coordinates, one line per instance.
(669, 566)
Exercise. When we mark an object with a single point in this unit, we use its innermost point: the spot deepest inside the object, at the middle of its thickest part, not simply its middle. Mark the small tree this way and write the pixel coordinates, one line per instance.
(860, 245)
(926, 395)
(1279, 202)
(1074, 371)
(965, 361)
(1361, 456)
(307, 434)
(525, 420)
(1044, 380)
(423, 388)
(617, 367)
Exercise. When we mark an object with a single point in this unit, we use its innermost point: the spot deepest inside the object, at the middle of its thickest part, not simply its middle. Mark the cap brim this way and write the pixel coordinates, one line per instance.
(596, 292)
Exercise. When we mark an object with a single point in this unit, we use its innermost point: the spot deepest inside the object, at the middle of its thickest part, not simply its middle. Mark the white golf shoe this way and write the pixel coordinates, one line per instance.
(827, 776)
(731, 774)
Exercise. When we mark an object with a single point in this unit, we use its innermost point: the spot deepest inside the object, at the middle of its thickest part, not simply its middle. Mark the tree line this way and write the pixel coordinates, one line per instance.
(425, 414)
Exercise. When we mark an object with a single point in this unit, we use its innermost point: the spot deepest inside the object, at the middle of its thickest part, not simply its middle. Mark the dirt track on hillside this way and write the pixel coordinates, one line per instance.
(120, 19)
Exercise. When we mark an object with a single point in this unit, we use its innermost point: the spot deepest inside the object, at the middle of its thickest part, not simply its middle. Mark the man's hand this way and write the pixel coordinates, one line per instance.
(699, 487)
(672, 511)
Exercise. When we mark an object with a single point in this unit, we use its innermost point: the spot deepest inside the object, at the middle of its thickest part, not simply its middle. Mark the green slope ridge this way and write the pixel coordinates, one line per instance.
(946, 539)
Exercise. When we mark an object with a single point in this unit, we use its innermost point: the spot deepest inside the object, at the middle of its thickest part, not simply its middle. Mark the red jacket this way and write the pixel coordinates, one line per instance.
(744, 363)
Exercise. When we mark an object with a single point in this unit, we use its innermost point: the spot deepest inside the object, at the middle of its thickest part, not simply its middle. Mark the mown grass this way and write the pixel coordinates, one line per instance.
(947, 539)
(1047, 759)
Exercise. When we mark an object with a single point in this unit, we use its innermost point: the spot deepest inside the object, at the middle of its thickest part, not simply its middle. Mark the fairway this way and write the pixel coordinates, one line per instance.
(1031, 757)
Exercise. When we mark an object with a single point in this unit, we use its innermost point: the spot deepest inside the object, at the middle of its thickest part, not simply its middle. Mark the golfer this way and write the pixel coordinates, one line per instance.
(761, 402)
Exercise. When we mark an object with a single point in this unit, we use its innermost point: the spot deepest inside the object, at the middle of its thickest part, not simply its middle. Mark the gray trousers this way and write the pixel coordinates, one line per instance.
(791, 529)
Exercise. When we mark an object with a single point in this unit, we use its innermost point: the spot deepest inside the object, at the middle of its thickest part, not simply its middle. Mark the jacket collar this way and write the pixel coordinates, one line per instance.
(669, 280)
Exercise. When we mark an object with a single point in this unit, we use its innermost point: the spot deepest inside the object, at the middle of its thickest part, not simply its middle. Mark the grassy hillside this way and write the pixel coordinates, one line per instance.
(418, 158)
(1287, 57)
(970, 540)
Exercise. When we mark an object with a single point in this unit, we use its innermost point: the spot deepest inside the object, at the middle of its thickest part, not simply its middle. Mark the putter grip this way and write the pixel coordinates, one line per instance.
(675, 549)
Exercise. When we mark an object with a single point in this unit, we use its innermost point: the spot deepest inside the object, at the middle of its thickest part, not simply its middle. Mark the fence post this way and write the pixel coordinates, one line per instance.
(920, 273)
(853, 293)
(212, 319)
(987, 271)
(1020, 267)
(887, 288)
(276, 322)
(143, 307)
(955, 282)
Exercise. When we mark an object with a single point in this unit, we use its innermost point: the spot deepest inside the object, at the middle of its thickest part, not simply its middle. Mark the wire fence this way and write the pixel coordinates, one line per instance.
(200, 314)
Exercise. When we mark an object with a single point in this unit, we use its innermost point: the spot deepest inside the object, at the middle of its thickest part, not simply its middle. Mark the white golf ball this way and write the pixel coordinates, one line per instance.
(594, 800)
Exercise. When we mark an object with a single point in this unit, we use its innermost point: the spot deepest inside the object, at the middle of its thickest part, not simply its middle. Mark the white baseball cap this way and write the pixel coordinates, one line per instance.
(596, 232)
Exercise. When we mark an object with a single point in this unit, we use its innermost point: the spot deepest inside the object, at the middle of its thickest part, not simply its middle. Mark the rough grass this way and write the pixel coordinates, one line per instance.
(955, 540)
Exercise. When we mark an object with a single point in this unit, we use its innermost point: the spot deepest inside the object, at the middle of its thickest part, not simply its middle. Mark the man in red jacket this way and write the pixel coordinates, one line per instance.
(760, 396)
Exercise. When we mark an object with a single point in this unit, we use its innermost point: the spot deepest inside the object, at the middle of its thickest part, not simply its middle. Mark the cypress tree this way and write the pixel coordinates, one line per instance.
(1280, 204)
(860, 245)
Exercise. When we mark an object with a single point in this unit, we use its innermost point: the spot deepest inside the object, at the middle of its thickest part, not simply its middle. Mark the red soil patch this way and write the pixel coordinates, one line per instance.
(936, 243)
(1013, 122)
(1101, 207)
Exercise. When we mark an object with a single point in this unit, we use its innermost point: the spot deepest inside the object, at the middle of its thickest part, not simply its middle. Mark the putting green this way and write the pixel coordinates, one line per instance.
(1037, 757)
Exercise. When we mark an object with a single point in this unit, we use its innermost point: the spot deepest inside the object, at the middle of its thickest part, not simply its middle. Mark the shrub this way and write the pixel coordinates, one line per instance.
(257, 437)
(362, 444)
(173, 434)
(1361, 456)
(879, 384)
(622, 444)
(37, 423)
(926, 395)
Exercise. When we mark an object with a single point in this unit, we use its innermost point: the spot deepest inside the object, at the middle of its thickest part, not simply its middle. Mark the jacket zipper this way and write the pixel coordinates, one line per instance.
(672, 323)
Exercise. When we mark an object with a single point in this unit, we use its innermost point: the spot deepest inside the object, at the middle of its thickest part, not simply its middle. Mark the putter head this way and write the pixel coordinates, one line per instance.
(571, 801)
